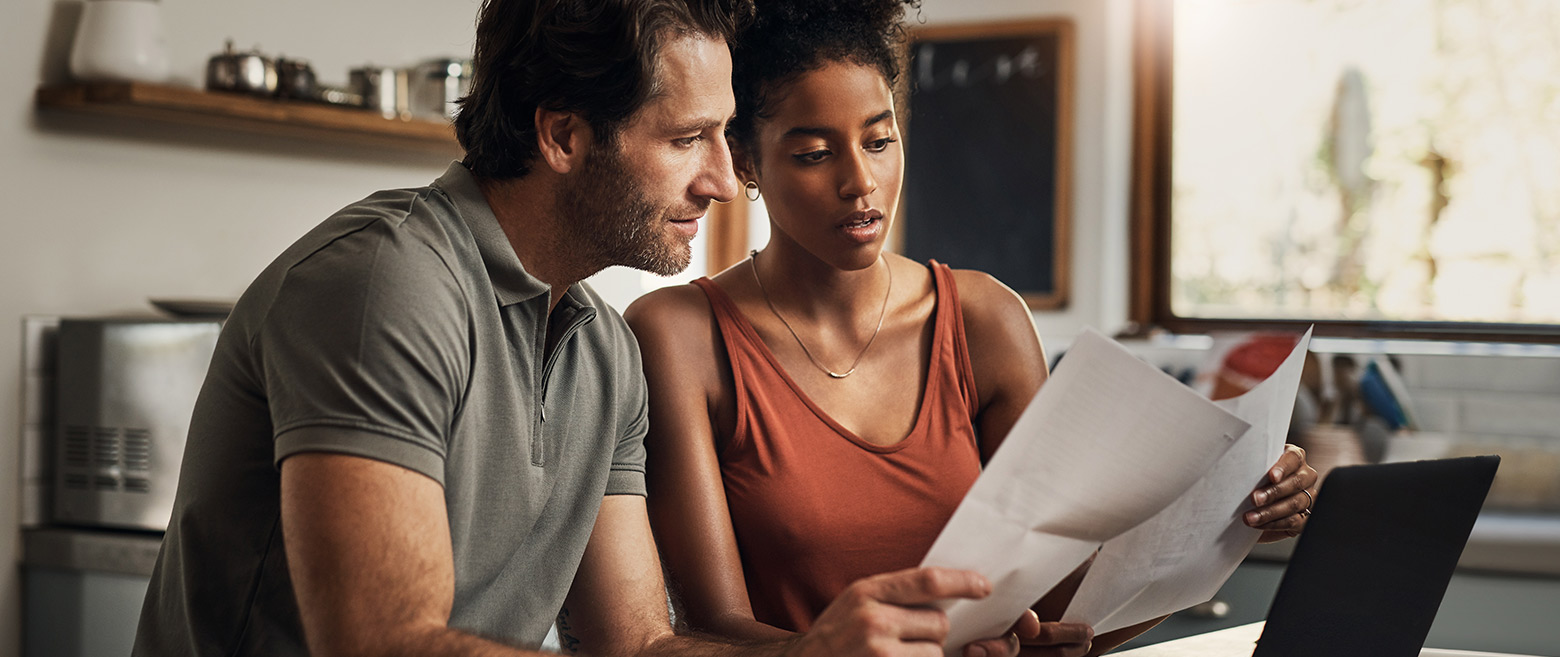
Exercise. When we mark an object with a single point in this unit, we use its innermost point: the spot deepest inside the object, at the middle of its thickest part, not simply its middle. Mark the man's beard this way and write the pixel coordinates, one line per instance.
(608, 219)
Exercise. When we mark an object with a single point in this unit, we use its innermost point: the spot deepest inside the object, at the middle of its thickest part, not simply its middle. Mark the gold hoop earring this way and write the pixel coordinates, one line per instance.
(751, 190)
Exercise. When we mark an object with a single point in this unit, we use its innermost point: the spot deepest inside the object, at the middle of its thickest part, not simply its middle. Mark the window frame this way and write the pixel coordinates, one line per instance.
(1151, 179)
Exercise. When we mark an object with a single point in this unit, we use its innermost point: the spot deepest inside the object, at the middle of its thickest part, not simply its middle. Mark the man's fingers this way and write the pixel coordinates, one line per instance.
(906, 624)
(922, 586)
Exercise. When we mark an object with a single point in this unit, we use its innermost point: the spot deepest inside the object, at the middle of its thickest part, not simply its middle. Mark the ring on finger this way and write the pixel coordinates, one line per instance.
(1312, 499)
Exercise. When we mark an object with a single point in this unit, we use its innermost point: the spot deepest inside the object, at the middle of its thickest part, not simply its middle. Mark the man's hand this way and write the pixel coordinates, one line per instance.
(889, 615)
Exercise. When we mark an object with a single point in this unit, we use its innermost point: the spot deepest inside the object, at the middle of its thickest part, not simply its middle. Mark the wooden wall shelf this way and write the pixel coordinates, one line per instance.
(250, 114)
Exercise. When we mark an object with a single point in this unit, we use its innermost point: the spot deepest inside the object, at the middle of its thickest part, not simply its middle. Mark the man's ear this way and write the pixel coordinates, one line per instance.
(743, 163)
(562, 139)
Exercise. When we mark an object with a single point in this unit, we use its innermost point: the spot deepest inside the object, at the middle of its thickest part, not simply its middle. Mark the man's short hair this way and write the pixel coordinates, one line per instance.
(596, 58)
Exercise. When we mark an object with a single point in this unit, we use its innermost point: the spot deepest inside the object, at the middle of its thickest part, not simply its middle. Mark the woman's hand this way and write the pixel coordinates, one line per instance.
(1284, 502)
(1031, 636)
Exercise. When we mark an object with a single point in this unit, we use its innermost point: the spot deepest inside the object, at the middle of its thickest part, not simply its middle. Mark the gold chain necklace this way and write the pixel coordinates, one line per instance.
(753, 256)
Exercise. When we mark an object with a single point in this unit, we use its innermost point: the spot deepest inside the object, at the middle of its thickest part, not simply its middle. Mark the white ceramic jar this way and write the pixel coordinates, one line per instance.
(120, 40)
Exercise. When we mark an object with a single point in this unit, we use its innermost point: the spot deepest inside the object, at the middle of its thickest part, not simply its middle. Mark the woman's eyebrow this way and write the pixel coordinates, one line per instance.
(810, 131)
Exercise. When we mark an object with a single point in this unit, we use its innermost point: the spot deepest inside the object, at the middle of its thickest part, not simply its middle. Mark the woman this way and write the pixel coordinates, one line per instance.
(818, 410)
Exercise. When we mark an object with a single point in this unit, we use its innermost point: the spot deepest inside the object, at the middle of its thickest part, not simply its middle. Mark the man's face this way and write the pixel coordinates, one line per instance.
(639, 204)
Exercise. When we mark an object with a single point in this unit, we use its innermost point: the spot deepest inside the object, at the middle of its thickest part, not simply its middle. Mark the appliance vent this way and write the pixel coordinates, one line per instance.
(105, 447)
(105, 482)
(138, 485)
(138, 450)
(78, 446)
(76, 482)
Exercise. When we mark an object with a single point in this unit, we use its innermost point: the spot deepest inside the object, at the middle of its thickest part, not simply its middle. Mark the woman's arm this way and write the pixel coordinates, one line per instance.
(690, 386)
(1005, 353)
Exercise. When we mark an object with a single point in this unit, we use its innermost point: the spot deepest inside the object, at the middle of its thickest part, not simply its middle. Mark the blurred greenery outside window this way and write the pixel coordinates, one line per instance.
(1364, 161)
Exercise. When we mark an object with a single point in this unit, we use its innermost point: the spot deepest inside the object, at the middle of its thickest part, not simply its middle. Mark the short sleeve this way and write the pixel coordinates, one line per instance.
(364, 351)
(628, 457)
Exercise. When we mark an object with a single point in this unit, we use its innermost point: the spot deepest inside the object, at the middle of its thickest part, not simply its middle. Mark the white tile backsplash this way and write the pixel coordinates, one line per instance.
(1535, 415)
(1437, 411)
(1488, 373)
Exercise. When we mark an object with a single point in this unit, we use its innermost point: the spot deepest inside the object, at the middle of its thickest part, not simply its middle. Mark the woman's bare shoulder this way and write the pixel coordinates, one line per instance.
(676, 329)
(989, 304)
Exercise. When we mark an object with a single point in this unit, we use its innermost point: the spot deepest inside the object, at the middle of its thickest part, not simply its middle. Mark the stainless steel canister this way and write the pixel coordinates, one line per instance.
(247, 72)
(383, 89)
(435, 86)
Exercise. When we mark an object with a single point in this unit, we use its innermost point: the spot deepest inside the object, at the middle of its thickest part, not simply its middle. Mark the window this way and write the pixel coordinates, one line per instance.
(1380, 167)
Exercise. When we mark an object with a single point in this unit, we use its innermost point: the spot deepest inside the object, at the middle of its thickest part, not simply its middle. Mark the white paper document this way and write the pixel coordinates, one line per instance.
(1108, 442)
(1182, 555)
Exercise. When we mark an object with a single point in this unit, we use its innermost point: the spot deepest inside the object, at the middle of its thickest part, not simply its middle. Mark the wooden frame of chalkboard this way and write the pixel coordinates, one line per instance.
(988, 171)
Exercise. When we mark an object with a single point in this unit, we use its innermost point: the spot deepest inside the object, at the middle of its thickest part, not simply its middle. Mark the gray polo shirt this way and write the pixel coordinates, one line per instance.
(402, 329)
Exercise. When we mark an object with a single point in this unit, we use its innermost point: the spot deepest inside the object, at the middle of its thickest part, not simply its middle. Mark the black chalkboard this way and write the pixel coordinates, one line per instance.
(987, 171)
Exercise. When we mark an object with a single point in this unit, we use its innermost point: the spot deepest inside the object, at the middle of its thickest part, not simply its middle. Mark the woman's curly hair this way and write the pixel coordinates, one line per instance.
(789, 37)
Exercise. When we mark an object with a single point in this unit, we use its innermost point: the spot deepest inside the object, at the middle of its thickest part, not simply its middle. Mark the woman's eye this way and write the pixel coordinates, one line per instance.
(811, 156)
(880, 144)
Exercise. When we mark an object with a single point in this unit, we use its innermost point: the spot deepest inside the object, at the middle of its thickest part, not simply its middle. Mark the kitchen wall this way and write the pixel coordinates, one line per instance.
(101, 214)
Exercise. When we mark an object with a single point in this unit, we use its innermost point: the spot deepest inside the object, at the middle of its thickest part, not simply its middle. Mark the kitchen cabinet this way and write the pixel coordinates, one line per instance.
(249, 114)
(84, 589)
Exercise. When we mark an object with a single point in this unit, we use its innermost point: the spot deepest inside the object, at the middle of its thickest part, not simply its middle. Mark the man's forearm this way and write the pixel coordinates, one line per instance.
(435, 642)
(703, 645)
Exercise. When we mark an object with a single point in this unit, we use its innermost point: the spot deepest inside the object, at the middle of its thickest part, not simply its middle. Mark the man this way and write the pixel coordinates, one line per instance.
(421, 435)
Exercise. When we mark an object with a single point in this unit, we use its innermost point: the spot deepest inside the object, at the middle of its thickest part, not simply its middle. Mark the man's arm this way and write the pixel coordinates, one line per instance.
(368, 548)
(617, 605)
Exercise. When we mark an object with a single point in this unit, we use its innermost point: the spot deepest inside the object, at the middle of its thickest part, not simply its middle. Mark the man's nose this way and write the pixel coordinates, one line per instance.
(717, 180)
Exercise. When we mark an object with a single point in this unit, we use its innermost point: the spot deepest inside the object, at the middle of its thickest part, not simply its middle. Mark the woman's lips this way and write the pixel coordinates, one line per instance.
(863, 226)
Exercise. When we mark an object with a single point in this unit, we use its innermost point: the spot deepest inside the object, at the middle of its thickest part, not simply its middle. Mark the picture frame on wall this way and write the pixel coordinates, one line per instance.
(988, 164)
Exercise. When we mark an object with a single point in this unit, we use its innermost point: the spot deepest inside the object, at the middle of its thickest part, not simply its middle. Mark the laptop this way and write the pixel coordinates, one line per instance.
(1369, 572)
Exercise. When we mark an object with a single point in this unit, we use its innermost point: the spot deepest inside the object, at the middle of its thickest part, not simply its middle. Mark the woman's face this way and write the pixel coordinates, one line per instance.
(830, 163)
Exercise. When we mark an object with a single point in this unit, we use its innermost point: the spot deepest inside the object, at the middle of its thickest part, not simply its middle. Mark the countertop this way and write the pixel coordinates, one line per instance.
(99, 550)
(1241, 641)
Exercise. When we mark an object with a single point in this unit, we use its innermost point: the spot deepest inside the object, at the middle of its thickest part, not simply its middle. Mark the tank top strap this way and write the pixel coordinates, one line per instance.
(950, 323)
(742, 346)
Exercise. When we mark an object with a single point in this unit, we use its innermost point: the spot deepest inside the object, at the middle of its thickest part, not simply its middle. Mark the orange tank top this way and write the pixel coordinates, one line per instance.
(814, 506)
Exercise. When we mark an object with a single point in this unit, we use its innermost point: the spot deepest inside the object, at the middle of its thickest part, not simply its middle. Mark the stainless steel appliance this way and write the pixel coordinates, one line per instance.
(125, 392)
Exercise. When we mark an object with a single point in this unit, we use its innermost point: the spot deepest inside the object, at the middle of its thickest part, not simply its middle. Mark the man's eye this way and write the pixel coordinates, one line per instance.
(811, 157)
(687, 142)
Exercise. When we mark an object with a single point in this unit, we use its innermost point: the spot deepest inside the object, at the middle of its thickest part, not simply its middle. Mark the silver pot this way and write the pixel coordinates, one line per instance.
(295, 79)
(383, 89)
(247, 72)
(435, 86)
